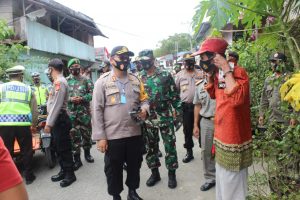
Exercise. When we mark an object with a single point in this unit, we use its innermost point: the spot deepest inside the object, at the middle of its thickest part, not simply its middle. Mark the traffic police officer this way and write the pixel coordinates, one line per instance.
(205, 106)
(59, 124)
(18, 111)
(80, 95)
(115, 95)
(185, 82)
(40, 91)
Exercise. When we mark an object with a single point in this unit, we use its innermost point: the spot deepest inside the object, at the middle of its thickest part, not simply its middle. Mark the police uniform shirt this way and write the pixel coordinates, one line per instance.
(58, 98)
(110, 112)
(208, 105)
(185, 82)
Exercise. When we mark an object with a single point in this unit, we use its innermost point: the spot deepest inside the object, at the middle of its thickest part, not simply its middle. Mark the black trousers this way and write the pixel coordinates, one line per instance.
(62, 141)
(120, 151)
(24, 138)
(188, 124)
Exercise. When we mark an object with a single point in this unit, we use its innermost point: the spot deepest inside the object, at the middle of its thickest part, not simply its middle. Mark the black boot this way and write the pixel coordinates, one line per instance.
(77, 162)
(69, 179)
(189, 156)
(29, 178)
(132, 195)
(154, 178)
(87, 156)
(117, 197)
(172, 183)
(58, 177)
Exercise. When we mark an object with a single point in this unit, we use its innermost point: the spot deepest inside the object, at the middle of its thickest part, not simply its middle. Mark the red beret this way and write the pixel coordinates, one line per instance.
(215, 45)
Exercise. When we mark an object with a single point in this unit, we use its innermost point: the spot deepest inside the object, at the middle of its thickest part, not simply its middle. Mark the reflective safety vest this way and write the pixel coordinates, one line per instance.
(40, 95)
(14, 104)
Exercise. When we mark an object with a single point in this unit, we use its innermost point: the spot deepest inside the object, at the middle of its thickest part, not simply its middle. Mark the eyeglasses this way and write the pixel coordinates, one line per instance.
(123, 57)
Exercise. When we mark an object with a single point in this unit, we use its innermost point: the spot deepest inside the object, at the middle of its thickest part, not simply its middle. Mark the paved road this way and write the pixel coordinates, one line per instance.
(91, 182)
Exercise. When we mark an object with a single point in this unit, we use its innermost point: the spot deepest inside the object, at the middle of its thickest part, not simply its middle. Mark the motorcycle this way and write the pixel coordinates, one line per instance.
(41, 140)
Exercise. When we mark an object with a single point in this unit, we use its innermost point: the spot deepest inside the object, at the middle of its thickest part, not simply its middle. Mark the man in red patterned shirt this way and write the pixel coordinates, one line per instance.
(229, 84)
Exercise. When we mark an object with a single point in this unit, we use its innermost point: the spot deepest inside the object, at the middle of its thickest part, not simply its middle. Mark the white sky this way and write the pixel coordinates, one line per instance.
(137, 24)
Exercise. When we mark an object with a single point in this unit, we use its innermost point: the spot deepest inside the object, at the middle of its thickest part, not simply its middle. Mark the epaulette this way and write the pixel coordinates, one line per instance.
(133, 75)
(105, 74)
(198, 82)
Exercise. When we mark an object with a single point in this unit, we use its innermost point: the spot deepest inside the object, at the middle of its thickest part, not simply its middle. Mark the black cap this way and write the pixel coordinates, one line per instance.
(278, 56)
(234, 54)
(118, 50)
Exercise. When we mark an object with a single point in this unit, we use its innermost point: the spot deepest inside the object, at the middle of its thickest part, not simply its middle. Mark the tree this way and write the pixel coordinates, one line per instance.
(9, 52)
(168, 46)
(275, 19)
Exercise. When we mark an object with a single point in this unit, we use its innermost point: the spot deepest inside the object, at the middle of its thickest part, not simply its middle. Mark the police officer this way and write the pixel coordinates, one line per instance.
(163, 95)
(185, 82)
(80, 95)
(59, 124)
(115, 95)
(270, 97)
(18, 111)
(40, 91)
(205, 106)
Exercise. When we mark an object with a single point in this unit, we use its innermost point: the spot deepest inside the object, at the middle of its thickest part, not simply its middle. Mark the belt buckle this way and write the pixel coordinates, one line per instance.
(212, 118)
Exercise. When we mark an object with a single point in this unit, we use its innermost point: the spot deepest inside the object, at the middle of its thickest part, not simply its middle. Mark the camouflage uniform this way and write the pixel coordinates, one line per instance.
(162, 95)
(80, 113)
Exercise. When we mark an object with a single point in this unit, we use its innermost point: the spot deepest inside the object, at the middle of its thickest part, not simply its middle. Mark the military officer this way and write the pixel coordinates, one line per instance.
(185, 82)
(163, 95)
(18, 111)
(115, 95)
(58, 123)
(80, 95)
(205, 107)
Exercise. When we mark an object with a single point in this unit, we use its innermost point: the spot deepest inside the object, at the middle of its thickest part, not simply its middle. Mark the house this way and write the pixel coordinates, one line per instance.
(50, 30)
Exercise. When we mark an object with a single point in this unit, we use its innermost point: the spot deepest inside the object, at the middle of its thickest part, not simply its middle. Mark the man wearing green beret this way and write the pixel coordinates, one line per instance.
(80, 95)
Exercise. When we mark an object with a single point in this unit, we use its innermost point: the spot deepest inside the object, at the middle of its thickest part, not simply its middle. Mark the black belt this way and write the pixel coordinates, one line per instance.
(209, 118)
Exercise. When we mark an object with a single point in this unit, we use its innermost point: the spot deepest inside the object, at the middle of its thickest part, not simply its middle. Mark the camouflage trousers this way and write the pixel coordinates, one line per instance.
(80, 136)
(152, 142)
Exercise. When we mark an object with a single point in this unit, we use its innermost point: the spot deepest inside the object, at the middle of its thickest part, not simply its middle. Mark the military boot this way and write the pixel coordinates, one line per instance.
(77, 162)
(132, 195)
(189, 156)
(58, 177)
(117, 197)
(172, 183)
(154, 178)
(87, 156)
(69, 179)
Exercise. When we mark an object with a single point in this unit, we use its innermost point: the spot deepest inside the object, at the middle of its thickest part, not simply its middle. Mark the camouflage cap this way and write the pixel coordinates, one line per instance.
(146, 54)
(188, 56)
(73, 61)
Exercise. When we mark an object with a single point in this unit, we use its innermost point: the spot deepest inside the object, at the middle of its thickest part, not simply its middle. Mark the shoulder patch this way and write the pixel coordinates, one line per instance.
(105, 74)
(57, 85)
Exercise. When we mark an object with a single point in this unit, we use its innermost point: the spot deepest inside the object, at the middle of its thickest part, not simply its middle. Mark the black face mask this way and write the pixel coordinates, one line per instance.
(75, 71)
(125, 64)
(189, 65)
(36, 81)
(207, 65)
(147, 64)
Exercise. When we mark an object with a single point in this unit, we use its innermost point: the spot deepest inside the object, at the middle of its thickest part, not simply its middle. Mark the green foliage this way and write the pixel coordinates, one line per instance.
(9, 53)
(168, 46)
(277, 155)
(255, 14)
